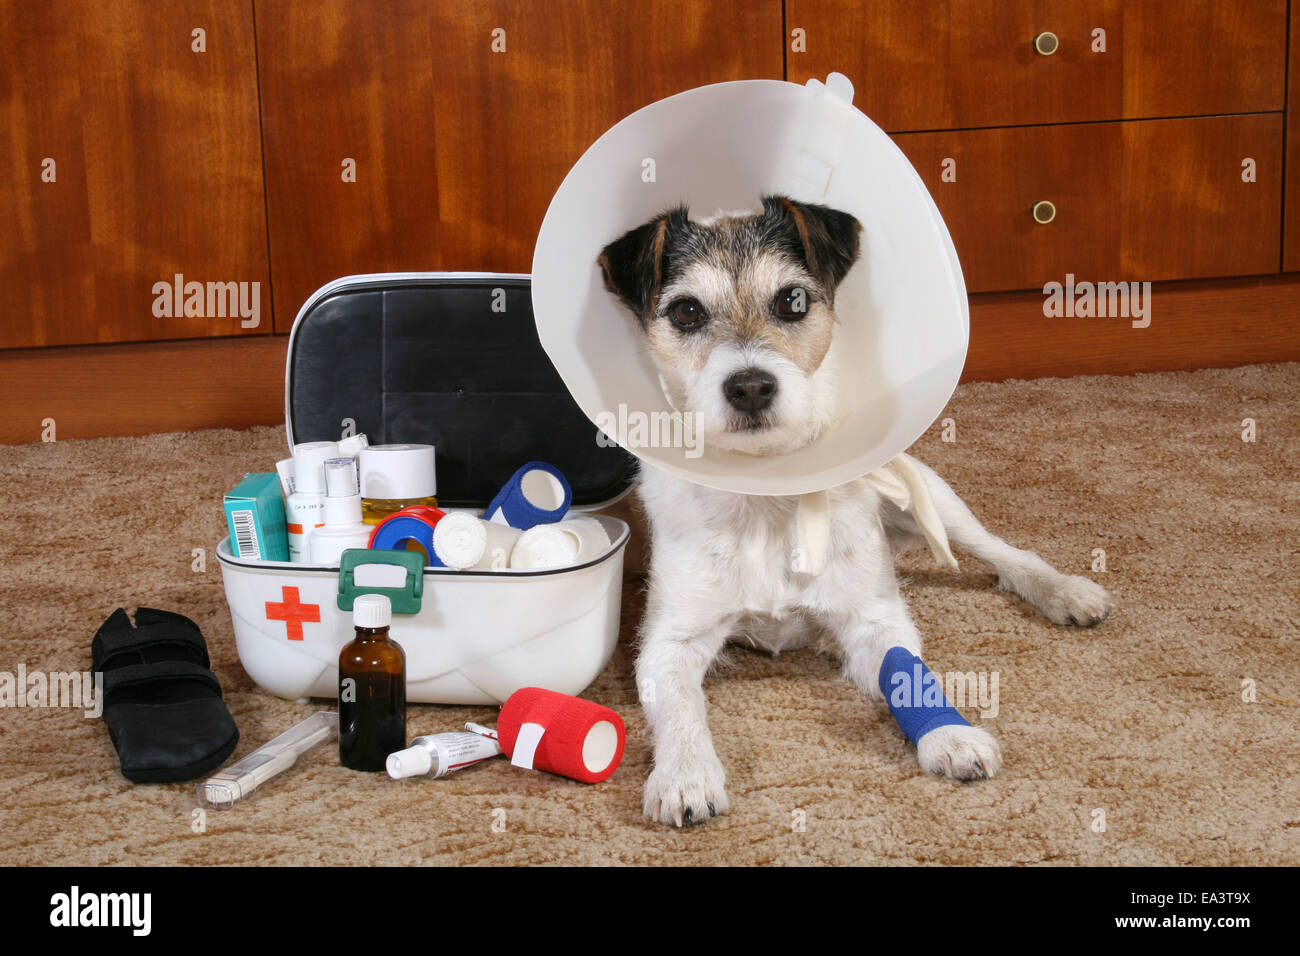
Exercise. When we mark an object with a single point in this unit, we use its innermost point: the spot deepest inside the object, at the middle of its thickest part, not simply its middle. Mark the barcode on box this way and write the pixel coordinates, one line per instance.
(245, 534)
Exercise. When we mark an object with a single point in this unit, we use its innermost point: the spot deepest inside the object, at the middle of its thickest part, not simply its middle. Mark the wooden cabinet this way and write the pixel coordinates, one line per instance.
(1291, 239)
(310, 139)
(965, 63)
(461, 119)
(1116, 190)
(130, 159)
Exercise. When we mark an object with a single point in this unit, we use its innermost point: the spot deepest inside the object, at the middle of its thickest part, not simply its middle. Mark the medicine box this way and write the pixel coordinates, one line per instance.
(450, 360)
(255, 518)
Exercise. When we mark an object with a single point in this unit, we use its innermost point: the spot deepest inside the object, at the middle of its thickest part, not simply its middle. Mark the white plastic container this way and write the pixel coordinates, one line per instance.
(477, 636)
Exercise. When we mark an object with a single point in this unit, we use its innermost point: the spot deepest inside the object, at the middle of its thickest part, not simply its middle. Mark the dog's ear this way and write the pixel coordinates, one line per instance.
(828, 236)
(633, 265)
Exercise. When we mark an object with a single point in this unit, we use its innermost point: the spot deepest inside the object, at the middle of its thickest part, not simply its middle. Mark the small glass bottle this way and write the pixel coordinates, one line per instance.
(394, 477)
(372, 689)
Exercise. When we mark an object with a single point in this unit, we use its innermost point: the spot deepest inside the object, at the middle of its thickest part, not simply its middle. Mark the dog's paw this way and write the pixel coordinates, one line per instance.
(686, 792)
(960, 752)
(1075, 601)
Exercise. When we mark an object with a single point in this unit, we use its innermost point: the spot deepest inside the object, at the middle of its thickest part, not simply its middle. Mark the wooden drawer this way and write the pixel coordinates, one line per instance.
(968, 63)
(1135, 201)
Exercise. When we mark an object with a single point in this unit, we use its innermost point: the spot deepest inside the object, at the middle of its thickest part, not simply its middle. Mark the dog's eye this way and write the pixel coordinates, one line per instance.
(687, 314)
(792, 303)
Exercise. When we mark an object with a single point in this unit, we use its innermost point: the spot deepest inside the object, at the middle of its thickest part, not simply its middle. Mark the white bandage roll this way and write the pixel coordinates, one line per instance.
(570, 541)
(591, 533)
(463, 541)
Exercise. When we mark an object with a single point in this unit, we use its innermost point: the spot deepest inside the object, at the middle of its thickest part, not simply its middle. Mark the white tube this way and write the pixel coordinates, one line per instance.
(461, 541)
(440, 754)
(284, 469)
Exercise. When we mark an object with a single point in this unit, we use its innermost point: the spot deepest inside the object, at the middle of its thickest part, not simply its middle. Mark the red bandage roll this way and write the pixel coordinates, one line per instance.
(545, 730)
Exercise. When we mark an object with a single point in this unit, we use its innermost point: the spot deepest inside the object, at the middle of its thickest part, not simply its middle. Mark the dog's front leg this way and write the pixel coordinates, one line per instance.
(953, 749)
(687, 783)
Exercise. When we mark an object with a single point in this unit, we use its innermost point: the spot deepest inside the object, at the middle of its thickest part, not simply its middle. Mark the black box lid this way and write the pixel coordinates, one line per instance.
(446, 359)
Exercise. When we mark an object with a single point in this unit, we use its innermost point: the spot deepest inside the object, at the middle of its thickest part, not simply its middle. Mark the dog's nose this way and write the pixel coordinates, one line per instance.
(750, 389)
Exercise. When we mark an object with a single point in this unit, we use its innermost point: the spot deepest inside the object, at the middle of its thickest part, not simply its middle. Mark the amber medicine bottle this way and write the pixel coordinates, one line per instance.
(372, 689)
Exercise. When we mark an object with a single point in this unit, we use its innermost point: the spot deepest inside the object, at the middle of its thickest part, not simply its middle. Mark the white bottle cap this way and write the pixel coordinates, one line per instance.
(309, 465)
(398, 472)
(372, 610)
(341, 477)
(352, 444)
(411, 762)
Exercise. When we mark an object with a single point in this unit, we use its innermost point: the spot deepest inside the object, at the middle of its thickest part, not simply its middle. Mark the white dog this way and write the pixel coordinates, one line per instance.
(738, 314)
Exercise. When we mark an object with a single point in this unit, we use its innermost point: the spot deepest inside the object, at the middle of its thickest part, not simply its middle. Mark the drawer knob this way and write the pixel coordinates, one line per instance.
(1046, 43)
(1044, 212)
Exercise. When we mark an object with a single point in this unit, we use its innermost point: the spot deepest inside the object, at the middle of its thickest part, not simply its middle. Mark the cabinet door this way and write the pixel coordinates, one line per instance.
(131, 158)
(1291, 249)
(1131, 201)
(952, 64)
(431, 136)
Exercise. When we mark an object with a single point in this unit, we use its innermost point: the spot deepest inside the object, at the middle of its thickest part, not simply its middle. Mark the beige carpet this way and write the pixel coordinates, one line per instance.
(1141, 720)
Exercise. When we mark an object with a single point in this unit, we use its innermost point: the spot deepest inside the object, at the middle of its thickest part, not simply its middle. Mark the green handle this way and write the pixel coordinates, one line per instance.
(406, 599)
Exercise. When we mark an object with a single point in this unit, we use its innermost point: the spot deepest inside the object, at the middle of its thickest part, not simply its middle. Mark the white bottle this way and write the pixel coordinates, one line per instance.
(343, 528)
(303, 510)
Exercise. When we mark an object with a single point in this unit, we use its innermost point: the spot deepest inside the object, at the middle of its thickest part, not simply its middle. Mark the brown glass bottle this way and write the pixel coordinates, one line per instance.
(372, 689)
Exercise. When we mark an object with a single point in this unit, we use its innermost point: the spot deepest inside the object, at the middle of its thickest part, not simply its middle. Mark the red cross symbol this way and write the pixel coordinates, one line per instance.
(292, 612)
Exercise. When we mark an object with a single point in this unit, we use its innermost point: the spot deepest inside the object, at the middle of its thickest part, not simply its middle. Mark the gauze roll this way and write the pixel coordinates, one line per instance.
(463, 541)
(566, 542)
(591, 534)
(544, 546)
(536, 494)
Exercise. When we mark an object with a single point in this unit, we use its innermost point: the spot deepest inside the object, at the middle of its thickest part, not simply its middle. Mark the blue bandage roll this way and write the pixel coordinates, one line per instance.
(915, 695)
(537, 494)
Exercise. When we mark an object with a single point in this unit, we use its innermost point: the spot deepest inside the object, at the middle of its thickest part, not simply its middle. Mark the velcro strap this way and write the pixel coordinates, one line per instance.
(154, 629)
(140, 675)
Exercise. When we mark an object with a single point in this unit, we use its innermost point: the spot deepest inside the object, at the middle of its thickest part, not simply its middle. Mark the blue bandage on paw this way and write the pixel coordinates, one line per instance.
(915, 695)
(536, 494)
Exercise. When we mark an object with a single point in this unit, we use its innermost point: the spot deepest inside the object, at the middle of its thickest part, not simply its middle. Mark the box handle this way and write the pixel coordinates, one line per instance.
(405, 600)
